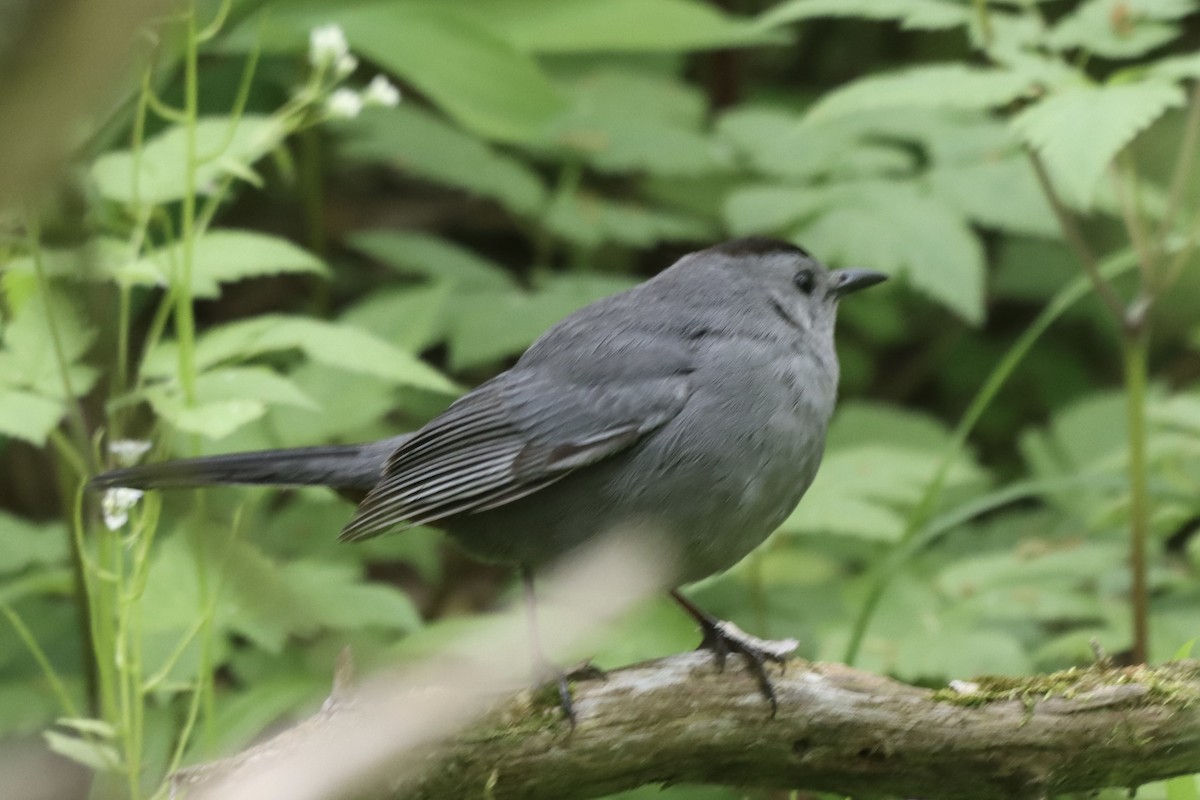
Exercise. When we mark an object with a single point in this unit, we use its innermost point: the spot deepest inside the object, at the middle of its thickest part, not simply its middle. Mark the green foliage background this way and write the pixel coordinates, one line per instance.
(224, 267)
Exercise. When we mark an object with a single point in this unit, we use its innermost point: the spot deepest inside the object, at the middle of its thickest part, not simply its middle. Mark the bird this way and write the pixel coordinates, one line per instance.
(692, 406)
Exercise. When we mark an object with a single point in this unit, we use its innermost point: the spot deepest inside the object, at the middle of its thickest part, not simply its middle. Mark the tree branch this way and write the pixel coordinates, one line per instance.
(680, 720)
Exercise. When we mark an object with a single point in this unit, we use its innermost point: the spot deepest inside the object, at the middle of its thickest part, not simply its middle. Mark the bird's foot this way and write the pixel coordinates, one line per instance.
(723, 638)
(548, 674)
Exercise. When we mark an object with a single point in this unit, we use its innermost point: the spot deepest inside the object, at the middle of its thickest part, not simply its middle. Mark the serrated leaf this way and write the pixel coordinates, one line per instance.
(338, 598)
(224, 256)
(1079, 130)
(224, 147)
(338, 345)
(954, 86)
(476, 76)
(437, 259)
(25, 544)
(414, 141)
(1116, 28)
(911, 14)
(885, 225)
(574, 26)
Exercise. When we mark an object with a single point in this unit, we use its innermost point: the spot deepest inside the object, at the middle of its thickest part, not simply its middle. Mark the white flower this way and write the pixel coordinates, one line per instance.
(116, 505)
(381, 92)
(344, 104)
(345, 65)
(128, 451)
(327, 45)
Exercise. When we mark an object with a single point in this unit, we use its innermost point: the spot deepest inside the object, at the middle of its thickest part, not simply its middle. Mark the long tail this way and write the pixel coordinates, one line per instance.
(353, 467)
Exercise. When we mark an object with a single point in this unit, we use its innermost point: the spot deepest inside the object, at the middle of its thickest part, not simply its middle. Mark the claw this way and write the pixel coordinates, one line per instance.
(723, 638)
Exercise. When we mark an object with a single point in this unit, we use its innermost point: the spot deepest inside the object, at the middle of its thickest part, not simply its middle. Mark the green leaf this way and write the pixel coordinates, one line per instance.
(625, 121)
(40, 330)
(574, 26)
(1174, 68)
(775, 143)
(877, 463)
(489, 326)
(886, 225)
(225, 147)
(955, 86)
(224, 256)
(26, 544)
(911, 14)
(1003, 194)
(475, 75)
(590, 220)
(331, 343)
(28, 416)
(339, 598)
(95, 755)
(416, 142)
(226, 399)
(437, 259)
(1079, 130)
(1117, 28)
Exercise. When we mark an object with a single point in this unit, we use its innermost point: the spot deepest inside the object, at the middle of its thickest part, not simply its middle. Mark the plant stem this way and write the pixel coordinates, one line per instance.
(1075, 238)
(185, 321)
(1136, 347)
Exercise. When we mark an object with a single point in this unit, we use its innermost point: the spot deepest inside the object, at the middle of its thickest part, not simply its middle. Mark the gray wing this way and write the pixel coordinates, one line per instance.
(510, 437)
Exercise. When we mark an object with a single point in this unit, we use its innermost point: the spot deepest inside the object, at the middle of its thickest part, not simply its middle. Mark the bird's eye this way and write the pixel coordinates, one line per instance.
(805, 281)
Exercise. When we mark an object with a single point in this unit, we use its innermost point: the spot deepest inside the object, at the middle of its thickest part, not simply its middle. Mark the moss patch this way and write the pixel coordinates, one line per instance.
(1175, 683)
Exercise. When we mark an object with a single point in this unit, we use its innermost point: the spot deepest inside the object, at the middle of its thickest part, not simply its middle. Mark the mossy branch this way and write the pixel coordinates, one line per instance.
(680, 720)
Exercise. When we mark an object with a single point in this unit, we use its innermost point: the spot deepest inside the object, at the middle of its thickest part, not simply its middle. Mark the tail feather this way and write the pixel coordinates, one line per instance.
(348, 467)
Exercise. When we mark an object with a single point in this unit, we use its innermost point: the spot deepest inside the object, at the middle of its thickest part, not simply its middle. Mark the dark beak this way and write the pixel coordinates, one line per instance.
(848, 281)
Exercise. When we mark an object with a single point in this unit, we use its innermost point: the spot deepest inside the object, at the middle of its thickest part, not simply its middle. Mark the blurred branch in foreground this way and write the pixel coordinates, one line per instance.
(679, 720)
(381, 734)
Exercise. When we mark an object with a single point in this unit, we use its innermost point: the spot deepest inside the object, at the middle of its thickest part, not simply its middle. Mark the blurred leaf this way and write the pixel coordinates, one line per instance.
(877, 463)
(925, 87)
(38, 332)
(28, 416)
(224, 256)
(437, 259)
(590, 220)
(25, 544)
(412, 317)
(337, 597)
(886, 225)
(573, 26)
(492, 325)
(476, 76)
(1176, 67)
(92, 754)
(1117, 28)
(330, 343)
(416, 142)
(1079, 130)
(226, 399)
(911, 14)
(1002, 194)
(224, 148)
(623, 121)
(775, 143)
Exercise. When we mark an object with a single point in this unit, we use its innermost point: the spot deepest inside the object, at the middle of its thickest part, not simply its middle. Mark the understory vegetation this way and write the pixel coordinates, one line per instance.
(286, 222)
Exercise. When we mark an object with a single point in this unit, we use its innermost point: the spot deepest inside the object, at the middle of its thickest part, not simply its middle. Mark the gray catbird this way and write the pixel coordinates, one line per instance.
(693, 406)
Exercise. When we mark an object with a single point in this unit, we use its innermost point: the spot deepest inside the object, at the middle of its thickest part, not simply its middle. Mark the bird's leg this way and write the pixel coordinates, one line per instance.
(544, 670)
(723, 638)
